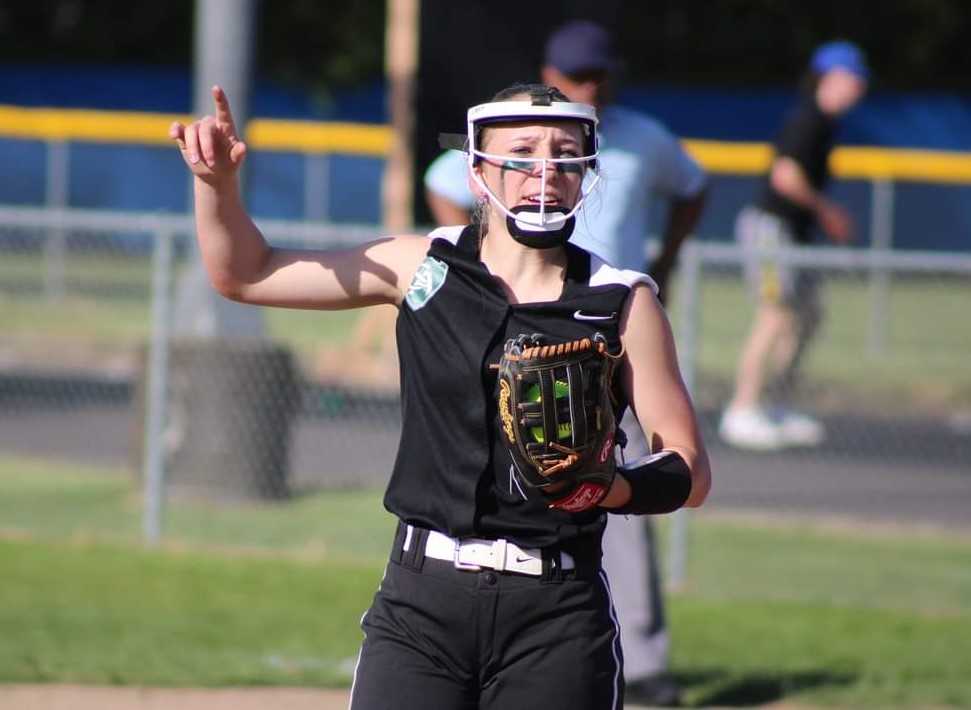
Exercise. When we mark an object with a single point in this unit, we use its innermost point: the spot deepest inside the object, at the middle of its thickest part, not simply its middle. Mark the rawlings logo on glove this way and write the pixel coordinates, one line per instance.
(556, 418)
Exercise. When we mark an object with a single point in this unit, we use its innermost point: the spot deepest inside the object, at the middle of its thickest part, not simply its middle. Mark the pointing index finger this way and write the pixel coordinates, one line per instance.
(223, 112)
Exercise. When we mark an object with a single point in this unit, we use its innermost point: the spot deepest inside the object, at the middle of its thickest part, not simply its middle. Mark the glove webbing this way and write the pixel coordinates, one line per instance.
(549, 412)
(550, 409)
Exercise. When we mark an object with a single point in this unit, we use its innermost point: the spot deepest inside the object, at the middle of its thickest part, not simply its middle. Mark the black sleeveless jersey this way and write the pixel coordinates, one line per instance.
(452, 473)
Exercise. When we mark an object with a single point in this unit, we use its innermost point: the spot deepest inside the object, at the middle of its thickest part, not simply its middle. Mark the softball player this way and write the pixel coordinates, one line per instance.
(492, 597)
(646, 167)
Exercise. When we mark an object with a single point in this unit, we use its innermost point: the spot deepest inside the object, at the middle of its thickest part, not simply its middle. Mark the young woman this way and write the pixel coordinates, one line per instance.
(493, 597)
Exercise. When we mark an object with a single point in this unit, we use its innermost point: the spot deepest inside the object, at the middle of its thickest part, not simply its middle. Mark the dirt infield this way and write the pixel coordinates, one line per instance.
(74, 697)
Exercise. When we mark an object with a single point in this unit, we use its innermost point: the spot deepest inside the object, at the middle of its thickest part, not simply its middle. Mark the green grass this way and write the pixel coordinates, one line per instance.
(108, 300)
(121, 324)
(801, 612)
(97, 267)
(54, 501)
(921, 572)
(754, 651)
(856, 619)
(98, 613)
(923, 359)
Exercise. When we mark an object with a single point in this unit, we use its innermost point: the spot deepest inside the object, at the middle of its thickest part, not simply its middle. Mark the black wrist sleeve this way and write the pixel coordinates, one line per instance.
(659, 483)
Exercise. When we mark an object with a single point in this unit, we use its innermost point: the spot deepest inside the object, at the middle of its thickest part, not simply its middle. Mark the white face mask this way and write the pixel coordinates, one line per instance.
(535, 226)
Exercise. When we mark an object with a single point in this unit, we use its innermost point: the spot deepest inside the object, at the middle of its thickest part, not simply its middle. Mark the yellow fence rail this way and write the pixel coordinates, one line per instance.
(374, 140)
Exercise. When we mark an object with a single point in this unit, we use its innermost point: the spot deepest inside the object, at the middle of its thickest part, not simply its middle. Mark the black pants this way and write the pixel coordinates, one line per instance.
(437, 637)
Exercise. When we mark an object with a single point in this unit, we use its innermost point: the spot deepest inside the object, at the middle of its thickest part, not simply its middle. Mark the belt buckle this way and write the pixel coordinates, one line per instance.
(499, 548)
(458, 564)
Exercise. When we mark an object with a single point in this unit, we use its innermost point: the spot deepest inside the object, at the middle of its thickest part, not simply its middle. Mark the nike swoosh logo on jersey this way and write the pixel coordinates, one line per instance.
(524, 559)
(580, 315)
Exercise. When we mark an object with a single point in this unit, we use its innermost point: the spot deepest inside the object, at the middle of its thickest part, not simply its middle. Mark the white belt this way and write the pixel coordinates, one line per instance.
(474, 554)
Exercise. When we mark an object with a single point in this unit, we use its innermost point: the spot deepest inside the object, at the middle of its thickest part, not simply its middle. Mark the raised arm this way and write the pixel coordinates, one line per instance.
(244, 267)
(654, 387)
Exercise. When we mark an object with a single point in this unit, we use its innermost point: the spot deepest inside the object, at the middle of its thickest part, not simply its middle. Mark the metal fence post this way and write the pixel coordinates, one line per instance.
(56, 199)
(881, 239)
(316, 187)
(157, 391)
(689, 300)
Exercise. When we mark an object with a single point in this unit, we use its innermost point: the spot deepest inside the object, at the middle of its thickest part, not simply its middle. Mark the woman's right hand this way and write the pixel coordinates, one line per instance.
(210, 146)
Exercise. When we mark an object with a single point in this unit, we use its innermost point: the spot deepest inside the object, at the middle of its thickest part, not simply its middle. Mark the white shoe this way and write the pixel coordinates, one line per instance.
(751, 428)
(799, 429)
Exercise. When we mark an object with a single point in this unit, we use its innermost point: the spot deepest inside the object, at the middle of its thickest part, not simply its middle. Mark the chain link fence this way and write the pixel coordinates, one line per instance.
(128, 424)
(890, 353)
(104, 386)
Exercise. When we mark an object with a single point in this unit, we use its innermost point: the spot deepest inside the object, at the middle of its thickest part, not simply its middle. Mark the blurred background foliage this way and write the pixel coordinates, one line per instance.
(911, 43)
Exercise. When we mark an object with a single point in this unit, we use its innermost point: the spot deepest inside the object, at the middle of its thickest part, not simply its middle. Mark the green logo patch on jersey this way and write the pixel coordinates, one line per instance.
(427, 280)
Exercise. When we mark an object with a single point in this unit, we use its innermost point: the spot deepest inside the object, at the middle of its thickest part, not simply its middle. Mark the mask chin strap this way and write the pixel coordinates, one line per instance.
(527, 226)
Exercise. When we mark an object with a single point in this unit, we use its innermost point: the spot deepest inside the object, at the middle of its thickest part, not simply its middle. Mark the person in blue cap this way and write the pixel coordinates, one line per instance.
(643, 164)
(791, 203)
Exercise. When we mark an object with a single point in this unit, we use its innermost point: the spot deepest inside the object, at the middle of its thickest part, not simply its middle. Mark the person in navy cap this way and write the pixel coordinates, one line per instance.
(791, 203)
(643, 164)
(581, 46)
